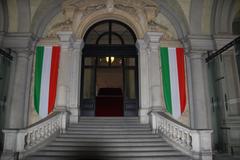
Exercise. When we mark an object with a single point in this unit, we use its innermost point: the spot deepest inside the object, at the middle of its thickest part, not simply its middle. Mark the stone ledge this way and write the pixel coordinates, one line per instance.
(201, 42)
(222, 40)
(18, 40)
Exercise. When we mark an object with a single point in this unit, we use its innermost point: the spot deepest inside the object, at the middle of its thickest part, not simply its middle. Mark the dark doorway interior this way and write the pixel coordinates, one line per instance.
(109, 71)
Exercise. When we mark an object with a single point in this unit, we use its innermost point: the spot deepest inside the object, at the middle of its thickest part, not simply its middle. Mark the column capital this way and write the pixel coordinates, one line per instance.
(19, 40)
(222, 40)
(152, 37)
(23, 52)
(201, 42)
(141, 44)
(78, 44)
(66, 36)
(66, 39)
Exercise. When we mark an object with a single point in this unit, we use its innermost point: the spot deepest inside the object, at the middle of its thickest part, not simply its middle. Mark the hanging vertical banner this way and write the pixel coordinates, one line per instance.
(173, 76)
(46, 75)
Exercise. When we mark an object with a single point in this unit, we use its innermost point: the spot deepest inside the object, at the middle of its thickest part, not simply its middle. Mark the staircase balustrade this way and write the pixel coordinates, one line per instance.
(196, 143)
(24, 141)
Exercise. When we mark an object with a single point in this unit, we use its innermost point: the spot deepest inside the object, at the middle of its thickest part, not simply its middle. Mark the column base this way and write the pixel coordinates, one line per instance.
(74, 117)
(143, 116)
(156, 109)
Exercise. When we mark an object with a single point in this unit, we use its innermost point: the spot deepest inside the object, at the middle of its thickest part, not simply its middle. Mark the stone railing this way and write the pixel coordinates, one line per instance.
(20, 142)
(195, 143)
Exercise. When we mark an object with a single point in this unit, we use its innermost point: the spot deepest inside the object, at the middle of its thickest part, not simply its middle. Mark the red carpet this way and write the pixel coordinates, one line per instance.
(109, 102)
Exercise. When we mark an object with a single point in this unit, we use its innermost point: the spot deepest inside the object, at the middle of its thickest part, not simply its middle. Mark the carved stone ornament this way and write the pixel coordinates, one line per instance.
(144, 13)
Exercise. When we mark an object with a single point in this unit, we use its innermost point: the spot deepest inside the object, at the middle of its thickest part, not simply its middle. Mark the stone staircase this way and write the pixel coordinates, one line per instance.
(108, 138)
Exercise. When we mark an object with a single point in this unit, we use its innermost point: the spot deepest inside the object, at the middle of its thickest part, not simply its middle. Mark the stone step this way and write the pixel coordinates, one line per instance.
(80, 140)
(107, 129)
(173, 157)
(108, 126)
(108, 153)
(109, 118)
(109, 132)
(108, 138)
(109, 144)
(111, 136)
(107, 149)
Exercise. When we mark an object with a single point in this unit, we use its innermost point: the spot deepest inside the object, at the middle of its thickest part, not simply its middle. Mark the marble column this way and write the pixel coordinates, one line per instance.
(144, 106)
(152, 39)
(20, 77)
(199, 91)
(20, 90)
(68, 93)
(75, 81)
(63, 88)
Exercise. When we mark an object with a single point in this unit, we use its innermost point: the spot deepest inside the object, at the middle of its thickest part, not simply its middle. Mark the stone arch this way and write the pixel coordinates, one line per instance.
(223, 16)
(173, 12)
(24, 15)
(236, 23)
(169, 9)
(122, 17)
(45, 13)
(3, 16)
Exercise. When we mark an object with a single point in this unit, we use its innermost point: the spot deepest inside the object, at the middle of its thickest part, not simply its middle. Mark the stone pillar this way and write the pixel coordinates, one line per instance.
(152, 39)
(20, 89)
(64, 72)
(69, 75)
(143, 82)
(199, 92)
(75, 81)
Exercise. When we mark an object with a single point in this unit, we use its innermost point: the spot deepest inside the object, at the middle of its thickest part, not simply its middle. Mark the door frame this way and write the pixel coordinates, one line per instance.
(122, 51)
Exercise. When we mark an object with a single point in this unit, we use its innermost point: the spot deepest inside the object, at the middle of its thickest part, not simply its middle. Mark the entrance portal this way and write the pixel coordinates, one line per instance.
(109, 71)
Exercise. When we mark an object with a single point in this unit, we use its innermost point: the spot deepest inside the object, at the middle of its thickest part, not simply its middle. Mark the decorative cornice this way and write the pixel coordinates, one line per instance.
(201, 42)
(222, 40)
(19, 40)
(152, 37)
(170, 43)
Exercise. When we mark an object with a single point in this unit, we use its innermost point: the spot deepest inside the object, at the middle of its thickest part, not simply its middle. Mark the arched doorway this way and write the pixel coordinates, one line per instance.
(109, 71)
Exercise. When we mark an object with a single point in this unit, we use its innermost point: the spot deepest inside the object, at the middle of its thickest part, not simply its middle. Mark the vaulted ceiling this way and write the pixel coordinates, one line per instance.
(187, 16)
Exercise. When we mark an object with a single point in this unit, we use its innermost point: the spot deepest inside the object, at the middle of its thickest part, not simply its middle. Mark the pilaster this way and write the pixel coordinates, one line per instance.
(63, 88)
(222, 40)
(75, 80)
(199, 114)
(18, 103)
(144, 82)
(18, 110)
(69, 75)
(152, 39)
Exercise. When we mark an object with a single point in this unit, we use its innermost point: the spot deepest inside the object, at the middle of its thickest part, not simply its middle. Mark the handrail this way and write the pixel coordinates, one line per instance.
(22, 141)
(195, 143)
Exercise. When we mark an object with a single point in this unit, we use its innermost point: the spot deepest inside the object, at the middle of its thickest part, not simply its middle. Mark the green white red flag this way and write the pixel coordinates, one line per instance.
(173, 76)
(45, 82)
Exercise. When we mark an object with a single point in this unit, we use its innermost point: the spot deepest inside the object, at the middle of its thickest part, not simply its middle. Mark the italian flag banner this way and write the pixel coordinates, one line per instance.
(46, 75)
(173, 76)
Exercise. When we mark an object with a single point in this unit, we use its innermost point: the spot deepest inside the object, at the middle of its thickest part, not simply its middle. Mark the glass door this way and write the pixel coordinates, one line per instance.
(130, 87)
(88, 86)
(109, 86)
(217, 92)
